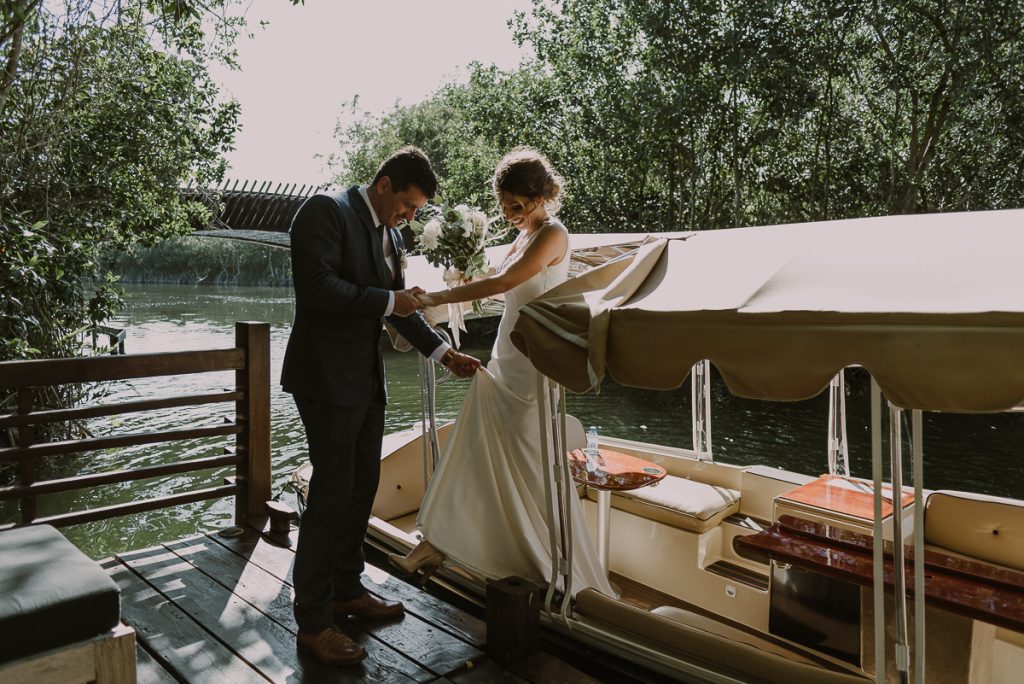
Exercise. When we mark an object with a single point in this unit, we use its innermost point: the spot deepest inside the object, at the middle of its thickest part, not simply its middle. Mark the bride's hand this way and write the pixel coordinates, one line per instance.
(427, 299)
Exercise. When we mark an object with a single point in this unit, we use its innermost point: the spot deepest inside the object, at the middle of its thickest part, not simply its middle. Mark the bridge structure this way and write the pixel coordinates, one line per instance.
(257, 211)
(262, 212)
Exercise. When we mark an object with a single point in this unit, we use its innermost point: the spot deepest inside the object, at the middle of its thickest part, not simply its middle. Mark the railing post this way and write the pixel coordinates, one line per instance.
(27, 467)
(253, 413)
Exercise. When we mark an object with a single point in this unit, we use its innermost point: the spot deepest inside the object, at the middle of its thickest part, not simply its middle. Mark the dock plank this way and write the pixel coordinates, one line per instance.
(214, 609)
(451, 619)
(427, 644)
(148, 670)
(272, 598)
(433, 648)
(184, 647)
(469, 628)
(487, 672)
(264, 644)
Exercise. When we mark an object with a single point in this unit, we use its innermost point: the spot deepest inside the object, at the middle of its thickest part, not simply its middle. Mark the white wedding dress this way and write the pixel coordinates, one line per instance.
(485, 506)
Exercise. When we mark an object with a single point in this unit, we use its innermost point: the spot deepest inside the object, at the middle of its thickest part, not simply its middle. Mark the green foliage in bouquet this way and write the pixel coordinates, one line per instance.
(455, 237)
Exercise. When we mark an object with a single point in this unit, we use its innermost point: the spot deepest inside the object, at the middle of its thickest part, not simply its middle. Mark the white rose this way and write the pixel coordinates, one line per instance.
(479, 219)
(463, 211)
(431, 233)
(467, 229)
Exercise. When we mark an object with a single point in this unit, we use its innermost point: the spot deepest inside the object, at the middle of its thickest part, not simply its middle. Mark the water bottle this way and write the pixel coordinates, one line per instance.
(592, 452)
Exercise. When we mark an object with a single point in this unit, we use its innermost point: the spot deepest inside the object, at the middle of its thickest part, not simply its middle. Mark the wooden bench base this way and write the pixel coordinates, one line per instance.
(105, 659)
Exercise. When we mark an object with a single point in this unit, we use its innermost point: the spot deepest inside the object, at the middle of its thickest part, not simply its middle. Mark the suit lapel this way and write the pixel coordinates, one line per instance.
(376, 247)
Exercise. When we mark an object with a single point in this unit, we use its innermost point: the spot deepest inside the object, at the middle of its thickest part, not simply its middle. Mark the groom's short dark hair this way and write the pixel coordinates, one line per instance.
(409, 166)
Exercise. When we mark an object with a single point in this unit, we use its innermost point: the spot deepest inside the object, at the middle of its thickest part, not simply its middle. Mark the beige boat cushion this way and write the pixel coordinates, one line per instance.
(676, 501)
(708, 643)
(987, 528)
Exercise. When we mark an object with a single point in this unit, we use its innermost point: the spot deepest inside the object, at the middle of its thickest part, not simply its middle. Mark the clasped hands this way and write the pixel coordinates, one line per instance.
(411, 300)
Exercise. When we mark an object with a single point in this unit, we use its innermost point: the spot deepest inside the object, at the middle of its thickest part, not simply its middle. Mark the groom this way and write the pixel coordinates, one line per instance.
(346, 257)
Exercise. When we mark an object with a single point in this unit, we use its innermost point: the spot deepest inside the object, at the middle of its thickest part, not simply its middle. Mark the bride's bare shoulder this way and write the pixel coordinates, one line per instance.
(554, 223)
(553, 228)
(557, 240)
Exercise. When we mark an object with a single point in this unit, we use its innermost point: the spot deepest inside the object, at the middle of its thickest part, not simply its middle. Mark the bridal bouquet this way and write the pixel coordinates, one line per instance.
(454, 238)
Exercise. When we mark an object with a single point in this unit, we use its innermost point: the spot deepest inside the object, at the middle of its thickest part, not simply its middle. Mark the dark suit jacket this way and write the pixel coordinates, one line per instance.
(341, 291)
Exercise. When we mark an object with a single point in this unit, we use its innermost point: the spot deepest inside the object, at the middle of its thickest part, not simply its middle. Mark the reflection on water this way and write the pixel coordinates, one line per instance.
(977, 453)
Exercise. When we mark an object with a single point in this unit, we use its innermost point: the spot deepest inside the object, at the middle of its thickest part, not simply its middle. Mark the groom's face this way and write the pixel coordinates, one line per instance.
(393, 206)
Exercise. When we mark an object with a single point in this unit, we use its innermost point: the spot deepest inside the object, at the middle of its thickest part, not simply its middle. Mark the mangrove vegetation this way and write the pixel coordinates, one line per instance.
(662, 116)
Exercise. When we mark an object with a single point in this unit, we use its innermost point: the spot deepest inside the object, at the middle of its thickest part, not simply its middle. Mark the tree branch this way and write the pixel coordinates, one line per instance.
(12, 63)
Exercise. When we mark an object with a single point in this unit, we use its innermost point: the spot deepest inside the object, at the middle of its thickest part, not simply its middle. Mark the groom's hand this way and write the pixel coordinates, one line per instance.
(463, 365)
(406, 302)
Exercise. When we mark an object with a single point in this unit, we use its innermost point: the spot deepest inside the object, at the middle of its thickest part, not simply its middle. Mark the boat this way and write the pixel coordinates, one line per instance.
(731, 573)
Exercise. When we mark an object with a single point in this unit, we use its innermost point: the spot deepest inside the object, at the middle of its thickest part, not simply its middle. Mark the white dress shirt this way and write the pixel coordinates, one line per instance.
(389, 259)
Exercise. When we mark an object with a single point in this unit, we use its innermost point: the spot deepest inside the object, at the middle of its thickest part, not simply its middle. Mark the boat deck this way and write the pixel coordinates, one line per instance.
(214, 608)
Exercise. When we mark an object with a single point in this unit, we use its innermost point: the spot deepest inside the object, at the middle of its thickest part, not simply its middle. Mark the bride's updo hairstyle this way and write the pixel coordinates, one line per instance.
(526, 172)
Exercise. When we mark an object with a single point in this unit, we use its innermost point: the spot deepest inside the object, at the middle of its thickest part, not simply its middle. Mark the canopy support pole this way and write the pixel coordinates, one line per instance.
(917, 447)
(428, 410)
(899, 577)
(428, 418)
(542, 410)
(566, 490)
(700, 409)
(838, 452)
(877, 560)
(553, 495)
(423, 422)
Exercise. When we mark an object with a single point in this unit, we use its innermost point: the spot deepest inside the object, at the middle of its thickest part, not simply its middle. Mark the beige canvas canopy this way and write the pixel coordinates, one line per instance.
(932, 305)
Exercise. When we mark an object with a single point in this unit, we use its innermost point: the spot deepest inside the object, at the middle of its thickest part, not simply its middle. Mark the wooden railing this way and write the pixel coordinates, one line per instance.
(250, 359)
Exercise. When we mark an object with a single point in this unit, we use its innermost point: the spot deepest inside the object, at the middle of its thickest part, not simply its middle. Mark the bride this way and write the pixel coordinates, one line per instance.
(485, 507)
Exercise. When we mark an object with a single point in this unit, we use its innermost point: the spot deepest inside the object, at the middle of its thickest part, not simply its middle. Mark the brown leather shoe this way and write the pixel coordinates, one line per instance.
(331, 647)
(368, 607)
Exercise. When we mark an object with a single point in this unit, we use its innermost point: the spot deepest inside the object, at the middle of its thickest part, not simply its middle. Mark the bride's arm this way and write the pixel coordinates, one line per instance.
(548, 247)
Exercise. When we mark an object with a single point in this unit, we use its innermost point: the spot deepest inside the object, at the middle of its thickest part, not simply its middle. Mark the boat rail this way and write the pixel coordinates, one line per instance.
(250, 485)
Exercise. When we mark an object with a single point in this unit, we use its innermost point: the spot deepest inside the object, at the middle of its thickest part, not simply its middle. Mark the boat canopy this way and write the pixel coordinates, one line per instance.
(931, 304)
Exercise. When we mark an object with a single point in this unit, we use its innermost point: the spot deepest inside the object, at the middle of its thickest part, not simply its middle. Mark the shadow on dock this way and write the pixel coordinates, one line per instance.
(218, 608)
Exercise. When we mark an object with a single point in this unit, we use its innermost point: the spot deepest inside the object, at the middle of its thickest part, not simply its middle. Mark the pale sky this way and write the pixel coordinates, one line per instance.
(300, 71)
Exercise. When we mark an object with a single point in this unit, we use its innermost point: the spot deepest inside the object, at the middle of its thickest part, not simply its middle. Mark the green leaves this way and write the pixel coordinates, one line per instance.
(671, 116)
(453, 237)
(107, 117)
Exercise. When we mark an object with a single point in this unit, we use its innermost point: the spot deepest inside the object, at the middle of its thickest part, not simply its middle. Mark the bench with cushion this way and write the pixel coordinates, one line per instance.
(679, 502)
(986, 528)
(59, 613)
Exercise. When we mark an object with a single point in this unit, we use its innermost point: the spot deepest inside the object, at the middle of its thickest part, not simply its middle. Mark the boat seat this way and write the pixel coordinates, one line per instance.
(679, 502)
(713, 644)
(59, 613)
(986, 528)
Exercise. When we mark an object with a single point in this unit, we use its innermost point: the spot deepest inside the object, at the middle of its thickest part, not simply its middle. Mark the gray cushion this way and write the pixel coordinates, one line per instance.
(51, 594)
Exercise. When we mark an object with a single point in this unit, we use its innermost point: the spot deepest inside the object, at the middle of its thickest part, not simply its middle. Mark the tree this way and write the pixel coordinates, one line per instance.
(464, 129)
(106, 110)
(670, 116)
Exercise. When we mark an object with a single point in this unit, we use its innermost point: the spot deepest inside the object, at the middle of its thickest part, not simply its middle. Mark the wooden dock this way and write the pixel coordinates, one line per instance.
(215, 608)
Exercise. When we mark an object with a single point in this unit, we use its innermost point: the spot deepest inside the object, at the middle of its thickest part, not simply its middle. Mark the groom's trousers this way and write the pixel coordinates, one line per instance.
(344, 448)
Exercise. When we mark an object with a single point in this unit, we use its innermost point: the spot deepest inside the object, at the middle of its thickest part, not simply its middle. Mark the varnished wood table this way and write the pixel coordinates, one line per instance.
(846, 497)
(620, 473)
